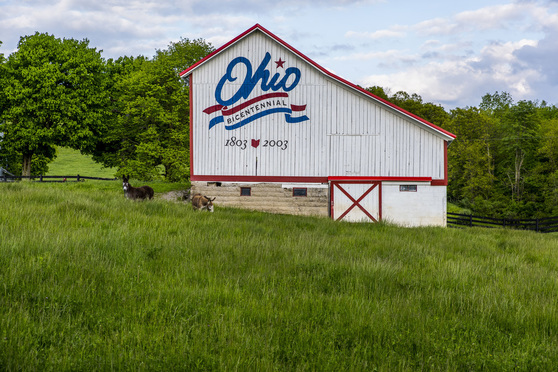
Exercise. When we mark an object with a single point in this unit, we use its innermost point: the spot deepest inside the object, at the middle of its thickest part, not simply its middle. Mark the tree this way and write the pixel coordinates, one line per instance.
(520, 139)
(184, 53)
(2, 85)
(471, 163)
(151, 124)
(379, 91)
(415, 105)
(3, 157)
(55, 96)
(548, 166)
(496, 103)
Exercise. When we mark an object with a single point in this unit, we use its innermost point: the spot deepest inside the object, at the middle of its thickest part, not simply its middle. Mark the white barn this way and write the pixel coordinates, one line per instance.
(272, 130)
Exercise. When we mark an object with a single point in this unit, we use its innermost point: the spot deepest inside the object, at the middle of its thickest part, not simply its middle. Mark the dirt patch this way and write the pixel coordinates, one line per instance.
(179, 196)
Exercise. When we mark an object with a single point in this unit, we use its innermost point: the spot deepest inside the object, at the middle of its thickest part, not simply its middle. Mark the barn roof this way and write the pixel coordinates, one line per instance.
(258, 28)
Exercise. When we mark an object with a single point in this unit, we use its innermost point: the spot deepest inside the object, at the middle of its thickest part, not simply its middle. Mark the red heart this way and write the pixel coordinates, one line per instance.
(255, 143)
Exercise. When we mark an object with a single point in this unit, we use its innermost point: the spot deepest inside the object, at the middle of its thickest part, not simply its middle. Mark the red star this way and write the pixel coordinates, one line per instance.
(280, 63)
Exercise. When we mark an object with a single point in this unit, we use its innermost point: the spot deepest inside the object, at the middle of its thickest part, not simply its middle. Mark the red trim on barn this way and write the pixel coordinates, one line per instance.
(303, 179)
(439, 183)
(191, 128)
(364, 179)
(241, 179)
(323, 70)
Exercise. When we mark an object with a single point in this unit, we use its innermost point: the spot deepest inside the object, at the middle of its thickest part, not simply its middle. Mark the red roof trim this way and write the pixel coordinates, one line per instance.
(325, 71)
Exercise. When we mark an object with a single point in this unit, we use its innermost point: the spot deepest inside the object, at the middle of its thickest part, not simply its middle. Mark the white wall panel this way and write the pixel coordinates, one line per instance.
(426, 206)
(347, 134)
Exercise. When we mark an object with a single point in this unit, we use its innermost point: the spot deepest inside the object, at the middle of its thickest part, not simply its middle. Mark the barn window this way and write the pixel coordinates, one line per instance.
(297, 191)
(408, 188)
(245, 191)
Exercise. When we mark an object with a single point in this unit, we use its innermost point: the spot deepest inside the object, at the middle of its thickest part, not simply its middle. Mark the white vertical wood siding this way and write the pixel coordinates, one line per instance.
(425, 207)
(347, 134)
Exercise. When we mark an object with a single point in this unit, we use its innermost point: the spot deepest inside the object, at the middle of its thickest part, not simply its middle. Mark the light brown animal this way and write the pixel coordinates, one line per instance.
(202, 202)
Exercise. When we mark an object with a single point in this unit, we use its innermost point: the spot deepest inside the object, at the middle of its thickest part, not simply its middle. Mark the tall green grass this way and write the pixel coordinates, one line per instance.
(92, 281)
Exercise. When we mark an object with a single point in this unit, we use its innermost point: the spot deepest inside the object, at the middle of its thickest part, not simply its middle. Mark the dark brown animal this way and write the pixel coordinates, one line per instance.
(202, 202)
(134, 193)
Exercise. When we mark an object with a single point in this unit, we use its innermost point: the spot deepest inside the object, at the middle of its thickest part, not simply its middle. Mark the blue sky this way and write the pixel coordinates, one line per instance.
(450, 53)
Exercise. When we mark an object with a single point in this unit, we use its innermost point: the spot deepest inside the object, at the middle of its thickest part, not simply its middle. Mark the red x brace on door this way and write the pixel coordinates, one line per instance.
(362, 189)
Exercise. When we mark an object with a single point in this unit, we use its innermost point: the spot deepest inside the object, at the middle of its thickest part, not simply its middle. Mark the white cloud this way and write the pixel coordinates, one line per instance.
(499, 17)
(437, 26)
(511, 45)
(493, 17)
(376, 35)
(495, 68)
(388, 55)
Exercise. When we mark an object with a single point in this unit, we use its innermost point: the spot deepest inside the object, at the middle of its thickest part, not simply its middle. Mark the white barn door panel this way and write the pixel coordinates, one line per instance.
(356, 201)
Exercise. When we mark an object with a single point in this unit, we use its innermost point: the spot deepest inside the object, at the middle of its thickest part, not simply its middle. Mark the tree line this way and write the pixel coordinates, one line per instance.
(504, 161)
(132, 113)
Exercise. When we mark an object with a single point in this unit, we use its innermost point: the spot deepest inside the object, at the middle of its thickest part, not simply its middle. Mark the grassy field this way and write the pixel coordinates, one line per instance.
(92, 281)
(70, 162)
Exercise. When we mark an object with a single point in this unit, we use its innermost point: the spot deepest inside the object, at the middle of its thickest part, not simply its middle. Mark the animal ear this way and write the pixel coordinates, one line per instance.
(213, 198)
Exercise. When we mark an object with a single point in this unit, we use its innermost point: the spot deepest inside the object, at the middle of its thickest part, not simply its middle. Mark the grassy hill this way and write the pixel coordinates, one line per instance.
(70, 162)
(92, 281)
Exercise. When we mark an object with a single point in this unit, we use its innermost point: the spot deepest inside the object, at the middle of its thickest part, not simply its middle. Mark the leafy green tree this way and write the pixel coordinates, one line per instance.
(548, 112)
(110, 148)
(3, 156)
(471, 163)
(520, 138)
(414, 104)
(548, 167)
(497, 103)
(183, 54)
(55, 96)
(151, 125)
(2, 85)
(378, 91)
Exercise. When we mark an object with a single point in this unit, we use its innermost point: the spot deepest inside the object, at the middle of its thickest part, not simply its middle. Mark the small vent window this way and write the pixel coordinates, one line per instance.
(300, 192)
(245, 191)
(408, 188)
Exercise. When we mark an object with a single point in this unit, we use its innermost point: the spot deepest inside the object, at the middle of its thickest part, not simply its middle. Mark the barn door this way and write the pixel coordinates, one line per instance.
(356, 201)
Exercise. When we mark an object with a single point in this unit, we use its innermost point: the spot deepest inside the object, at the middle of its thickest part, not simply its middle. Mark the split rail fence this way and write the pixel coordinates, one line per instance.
(543, 225)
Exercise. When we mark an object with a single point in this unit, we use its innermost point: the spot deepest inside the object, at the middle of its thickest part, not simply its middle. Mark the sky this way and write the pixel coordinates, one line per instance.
(450, 53)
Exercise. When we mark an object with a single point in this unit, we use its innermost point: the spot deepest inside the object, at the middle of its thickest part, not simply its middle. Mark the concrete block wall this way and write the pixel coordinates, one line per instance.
(267, 197)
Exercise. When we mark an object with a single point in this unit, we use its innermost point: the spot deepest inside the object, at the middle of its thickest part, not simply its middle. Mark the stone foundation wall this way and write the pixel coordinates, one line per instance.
(267, 197)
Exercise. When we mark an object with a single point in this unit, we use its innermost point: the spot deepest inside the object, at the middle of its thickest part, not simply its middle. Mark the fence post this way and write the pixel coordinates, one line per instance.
(537, 225)
(78, 177)
(470, 220)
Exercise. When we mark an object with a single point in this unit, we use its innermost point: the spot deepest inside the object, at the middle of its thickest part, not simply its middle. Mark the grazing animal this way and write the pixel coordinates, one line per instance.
(134, 193)
(202, 202)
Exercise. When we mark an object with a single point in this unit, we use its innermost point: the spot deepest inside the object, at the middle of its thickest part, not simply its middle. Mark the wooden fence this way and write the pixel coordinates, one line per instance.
(543, 225)
(77, 178)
